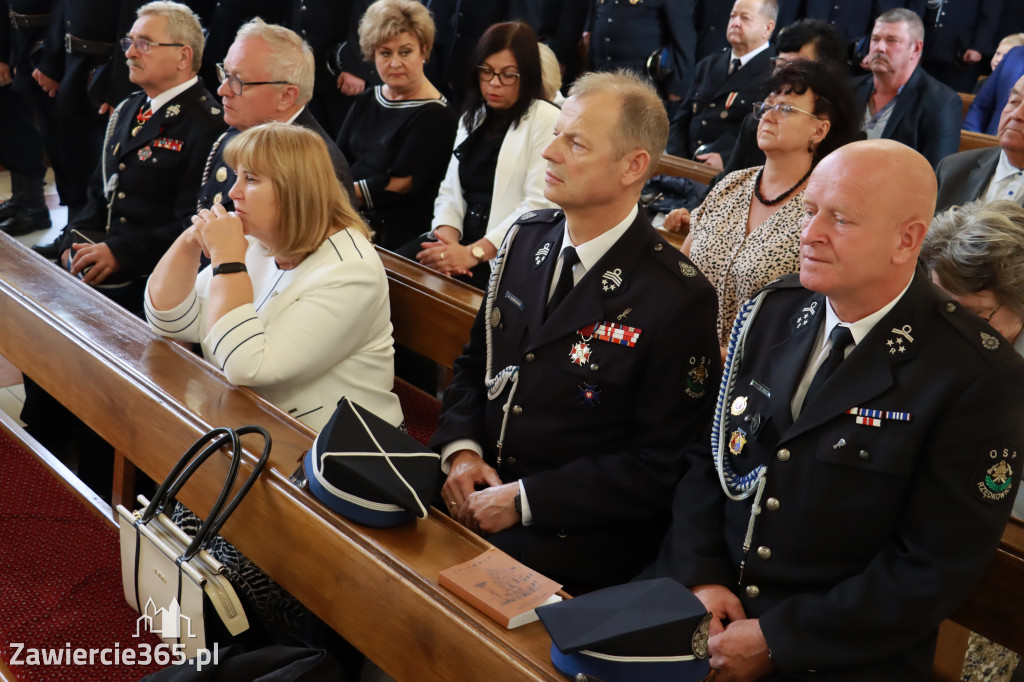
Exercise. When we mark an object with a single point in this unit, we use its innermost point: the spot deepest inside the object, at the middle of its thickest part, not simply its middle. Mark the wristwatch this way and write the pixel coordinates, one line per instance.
(517, 502)
(478, 253)
(228, 268)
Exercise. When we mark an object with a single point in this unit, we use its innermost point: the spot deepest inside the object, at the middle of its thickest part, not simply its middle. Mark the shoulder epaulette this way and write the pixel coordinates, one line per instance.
(544, 215)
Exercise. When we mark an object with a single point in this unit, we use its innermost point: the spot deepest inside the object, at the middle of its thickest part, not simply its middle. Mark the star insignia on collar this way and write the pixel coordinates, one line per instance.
(172, 111)
(541, 254)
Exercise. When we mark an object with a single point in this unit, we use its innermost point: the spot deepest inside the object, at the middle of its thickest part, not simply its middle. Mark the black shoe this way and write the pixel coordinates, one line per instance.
(27, 220)
(8, 209)
(48, 251)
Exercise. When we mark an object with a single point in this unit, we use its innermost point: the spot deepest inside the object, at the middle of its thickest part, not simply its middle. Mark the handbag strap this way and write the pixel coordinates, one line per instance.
(217, 516)
(187, 465)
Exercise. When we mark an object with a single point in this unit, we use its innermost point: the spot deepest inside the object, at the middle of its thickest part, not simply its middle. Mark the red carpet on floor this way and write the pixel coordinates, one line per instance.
(60, 578)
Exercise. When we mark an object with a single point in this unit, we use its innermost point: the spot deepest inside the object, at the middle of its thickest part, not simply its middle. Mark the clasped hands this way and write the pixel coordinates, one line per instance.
(485, 511)
(447, 255)
(218, 233)
(739, 652)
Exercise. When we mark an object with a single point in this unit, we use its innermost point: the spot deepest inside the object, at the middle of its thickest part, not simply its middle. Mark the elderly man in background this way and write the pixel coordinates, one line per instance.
(901, 102)
(152, 159)
(857, 479)
(991, 173)
(266, 76)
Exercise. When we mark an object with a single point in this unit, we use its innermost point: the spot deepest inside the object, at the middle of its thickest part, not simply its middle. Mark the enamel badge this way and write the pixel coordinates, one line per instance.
(580, 353)
(589, 395)
(145, 153)
(739, 406)
(696, 378)
(737, 440)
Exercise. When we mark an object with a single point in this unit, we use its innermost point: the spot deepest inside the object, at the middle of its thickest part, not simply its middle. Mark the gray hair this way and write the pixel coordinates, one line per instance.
(386, 19)
(643, 123)
(291, 58)
(182, 26)
(902, 15)
(769, 9)
(979, 246)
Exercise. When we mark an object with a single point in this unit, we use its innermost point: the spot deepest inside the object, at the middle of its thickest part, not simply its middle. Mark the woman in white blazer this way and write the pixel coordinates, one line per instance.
(496, 172)
(294, 302)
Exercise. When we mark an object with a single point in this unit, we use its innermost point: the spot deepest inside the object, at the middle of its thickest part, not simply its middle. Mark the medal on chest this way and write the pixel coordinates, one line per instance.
(580, 352)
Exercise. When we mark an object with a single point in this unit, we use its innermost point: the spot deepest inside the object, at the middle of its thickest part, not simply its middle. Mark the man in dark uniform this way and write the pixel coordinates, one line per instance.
(711, 19)
(268, 76)
(958, 35)
(157, 141)
(865, 452)
(590, 362)
(623, 35)
(726, 85)
(21, 144)
(77, 66)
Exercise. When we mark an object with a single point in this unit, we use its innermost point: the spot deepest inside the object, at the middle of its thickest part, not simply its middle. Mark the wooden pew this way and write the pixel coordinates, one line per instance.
(685, 168)
(150, 399)
(971, 140)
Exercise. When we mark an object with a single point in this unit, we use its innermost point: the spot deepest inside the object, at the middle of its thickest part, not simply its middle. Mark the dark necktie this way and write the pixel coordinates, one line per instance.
(565, 279)
(840, 338)
(734, 66)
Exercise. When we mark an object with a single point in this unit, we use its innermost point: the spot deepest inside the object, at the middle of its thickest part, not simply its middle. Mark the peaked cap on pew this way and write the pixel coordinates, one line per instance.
(368, 471)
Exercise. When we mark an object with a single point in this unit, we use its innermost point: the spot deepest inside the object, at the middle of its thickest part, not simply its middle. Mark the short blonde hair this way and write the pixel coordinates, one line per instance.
(643, 123)
(311, 201)
(182, 26)
(386, 19)
(550, 71)
(979, 246)
(291, 58)
(1012, 40)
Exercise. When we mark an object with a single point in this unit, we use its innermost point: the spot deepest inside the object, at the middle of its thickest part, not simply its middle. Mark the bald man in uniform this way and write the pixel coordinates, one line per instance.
(867, 440)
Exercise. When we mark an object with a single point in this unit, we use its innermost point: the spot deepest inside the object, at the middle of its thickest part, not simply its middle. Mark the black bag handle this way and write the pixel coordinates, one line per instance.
(215, 520)
(187, 465)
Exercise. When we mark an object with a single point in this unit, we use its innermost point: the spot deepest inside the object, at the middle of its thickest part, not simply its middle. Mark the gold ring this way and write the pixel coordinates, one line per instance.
(442, 255)
(453, 503)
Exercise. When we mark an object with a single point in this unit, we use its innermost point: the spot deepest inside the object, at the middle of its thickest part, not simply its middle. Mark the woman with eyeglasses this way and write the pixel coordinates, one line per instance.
(496, 172)
(975, 253)
(397, 136)
(747, 231)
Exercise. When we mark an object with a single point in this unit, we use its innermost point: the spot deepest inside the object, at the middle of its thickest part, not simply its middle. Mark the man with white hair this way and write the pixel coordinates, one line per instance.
(267, 75)
(152, 158)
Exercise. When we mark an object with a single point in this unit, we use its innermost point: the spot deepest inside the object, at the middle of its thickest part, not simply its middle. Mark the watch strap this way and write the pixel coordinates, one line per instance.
(229, 268)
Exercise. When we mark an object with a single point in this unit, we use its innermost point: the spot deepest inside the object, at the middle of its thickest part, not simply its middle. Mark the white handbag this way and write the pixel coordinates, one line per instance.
(165, 573)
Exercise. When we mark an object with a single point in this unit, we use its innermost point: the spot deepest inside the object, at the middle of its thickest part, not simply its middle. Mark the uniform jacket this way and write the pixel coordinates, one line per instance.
(926, 115)
(718, 101)
(711, 17)
(518, 175)
(216, 183)
(596, 443)
(145, 186)
(23, 40)
(853, 18)
(624, 34)
(869, 535)
(983, 114)
(312, 335)
(961, 25)
(559, 24)
(965, 176)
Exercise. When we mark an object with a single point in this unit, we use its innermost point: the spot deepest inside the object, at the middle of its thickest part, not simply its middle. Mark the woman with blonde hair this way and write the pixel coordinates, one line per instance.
(398, 136)
(294, 302)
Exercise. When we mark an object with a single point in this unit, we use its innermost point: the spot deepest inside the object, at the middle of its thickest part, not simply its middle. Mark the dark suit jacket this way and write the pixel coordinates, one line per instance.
(869, 536)
(218, 177)
(962, 25)
(983, 114)
(598, 471)
(156, 183)
(708, 116)
(965, 176)
(926, 115)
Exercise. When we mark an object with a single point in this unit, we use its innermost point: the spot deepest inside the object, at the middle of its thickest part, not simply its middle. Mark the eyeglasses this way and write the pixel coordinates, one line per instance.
(781, 110)
(487, 74)
(142, 46)
(236, 84)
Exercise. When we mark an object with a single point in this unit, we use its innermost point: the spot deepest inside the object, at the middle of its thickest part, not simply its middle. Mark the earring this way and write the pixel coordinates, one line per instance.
(810, 146)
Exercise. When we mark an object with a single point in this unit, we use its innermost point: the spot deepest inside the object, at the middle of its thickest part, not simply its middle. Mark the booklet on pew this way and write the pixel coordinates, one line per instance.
(501, 587)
